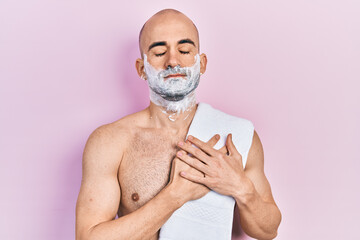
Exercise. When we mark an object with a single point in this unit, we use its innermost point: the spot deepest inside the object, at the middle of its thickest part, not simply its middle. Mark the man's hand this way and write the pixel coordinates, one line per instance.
(222, 172)
(185, 189)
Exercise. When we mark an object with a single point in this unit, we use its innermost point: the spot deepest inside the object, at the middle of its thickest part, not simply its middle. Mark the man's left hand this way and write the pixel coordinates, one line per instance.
(223, 172)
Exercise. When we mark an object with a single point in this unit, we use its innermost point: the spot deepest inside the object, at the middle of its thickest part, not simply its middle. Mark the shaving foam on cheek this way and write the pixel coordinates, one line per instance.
(176, 94)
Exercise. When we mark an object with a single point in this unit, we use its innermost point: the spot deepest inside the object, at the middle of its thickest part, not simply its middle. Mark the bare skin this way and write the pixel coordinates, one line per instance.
(130, 167)
(126, 164)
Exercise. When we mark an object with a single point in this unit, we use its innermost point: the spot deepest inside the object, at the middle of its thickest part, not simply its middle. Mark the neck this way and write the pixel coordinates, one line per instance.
(161, 117)
(173, 107)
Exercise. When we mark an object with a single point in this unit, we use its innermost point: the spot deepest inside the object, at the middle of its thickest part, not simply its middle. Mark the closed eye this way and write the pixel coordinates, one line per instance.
(160, 54)
(183, 52)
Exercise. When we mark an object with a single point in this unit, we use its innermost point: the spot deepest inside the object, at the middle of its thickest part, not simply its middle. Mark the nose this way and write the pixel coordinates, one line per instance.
(172, 60)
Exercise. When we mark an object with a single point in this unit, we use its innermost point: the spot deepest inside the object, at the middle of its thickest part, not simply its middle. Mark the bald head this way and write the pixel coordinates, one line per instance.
(161, 21)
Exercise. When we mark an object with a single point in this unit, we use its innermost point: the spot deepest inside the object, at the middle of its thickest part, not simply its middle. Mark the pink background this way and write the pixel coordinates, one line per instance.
(292, 67)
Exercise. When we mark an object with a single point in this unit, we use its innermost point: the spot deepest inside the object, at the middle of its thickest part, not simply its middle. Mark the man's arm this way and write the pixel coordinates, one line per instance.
(259, 215)
(100, 194)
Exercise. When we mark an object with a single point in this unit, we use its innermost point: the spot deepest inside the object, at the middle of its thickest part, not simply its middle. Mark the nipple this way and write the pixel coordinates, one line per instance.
(135, 197)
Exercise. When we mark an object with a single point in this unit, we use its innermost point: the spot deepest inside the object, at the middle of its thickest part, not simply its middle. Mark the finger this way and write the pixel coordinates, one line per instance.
(212, 141)
(196, 152)
(231, 147)
(193, 178)
(192, 162)
(203, 146)
(172, 170)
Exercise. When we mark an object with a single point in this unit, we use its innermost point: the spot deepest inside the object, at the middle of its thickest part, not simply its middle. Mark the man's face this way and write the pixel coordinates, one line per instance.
(171, 63)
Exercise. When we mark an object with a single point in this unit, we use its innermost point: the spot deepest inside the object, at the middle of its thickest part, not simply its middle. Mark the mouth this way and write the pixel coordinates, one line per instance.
(175, 75)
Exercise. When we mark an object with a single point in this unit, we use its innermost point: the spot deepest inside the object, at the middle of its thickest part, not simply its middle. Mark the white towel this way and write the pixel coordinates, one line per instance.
(211, 216)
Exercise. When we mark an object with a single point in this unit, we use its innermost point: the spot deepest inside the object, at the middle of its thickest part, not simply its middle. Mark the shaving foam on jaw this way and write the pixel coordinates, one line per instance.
(176, 94)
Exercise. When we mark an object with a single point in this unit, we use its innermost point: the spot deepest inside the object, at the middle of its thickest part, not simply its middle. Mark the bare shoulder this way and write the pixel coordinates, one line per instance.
(255, 157)
(107, 143)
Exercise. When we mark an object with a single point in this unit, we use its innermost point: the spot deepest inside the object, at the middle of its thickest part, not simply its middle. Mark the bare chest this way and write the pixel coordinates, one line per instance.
(145, 168)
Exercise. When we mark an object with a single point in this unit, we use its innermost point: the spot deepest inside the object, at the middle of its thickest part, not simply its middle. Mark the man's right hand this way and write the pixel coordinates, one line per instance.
(183, 189)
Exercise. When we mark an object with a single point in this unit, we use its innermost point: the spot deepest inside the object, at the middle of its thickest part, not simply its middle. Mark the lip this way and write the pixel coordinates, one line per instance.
(175, 75)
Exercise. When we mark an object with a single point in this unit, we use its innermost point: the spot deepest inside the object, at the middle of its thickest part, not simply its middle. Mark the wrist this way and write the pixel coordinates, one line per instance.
(173, 196)
(246, 194)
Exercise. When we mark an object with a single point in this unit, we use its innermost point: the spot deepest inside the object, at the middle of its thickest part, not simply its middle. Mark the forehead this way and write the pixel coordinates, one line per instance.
(168, 28)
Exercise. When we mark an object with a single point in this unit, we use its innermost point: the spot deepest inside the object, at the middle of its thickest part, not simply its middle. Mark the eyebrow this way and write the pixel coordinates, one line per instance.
(155, 44)
(187, 40)
(163, 43)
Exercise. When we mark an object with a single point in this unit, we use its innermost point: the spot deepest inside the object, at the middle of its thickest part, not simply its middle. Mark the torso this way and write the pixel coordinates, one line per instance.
(145, 166)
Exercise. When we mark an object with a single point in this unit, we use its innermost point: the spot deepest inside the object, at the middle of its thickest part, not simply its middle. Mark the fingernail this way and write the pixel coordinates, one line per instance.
(179, 154)
(190, 137)
(180, 143)
(217, 137)
(182, 173)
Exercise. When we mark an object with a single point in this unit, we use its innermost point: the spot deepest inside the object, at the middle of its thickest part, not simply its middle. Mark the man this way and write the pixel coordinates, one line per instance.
(139, 168)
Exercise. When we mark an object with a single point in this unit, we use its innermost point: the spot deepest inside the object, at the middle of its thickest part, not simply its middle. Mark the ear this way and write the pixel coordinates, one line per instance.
(139, 65)
(203, 63)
